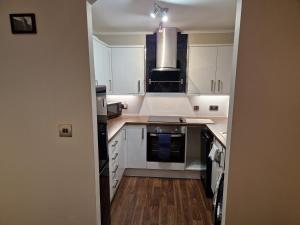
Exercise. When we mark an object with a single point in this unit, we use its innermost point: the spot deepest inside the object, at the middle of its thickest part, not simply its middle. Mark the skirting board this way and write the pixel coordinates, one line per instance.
(163, 173)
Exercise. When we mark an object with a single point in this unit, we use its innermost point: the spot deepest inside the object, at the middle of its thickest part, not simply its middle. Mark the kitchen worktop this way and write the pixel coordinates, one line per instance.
(217, 128)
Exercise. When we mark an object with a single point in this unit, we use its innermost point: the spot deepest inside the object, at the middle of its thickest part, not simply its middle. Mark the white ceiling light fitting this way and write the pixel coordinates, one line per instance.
(159, 12)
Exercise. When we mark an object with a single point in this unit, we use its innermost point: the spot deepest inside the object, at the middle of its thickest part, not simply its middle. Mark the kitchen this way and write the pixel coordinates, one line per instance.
(167, 95)
(49, 161)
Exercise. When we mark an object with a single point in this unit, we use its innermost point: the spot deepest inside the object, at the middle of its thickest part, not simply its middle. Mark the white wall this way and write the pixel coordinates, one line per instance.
(173, 104)
(45, 81)
(264, 168)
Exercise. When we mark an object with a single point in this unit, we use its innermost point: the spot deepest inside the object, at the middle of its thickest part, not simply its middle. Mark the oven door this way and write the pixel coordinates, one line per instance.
(166, 147)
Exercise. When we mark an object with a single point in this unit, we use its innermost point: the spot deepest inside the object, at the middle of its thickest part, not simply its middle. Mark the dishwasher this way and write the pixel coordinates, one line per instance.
(206, 144)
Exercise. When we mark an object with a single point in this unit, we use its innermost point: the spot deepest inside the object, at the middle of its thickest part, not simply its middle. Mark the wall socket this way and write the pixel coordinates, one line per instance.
(196, 107)
(124, 106)
(213, 108)
(65, 130)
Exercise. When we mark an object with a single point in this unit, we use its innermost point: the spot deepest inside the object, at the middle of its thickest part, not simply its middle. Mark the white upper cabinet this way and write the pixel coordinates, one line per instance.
(224, 69)
(209, 70)
(202, 70)
(128, 71)
(102, 64)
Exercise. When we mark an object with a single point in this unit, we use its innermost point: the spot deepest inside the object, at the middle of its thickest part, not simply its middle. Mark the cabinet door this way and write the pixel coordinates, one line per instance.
(224, 69)
(136, 146)
(128, 70)
(102, 65)
(202, 70)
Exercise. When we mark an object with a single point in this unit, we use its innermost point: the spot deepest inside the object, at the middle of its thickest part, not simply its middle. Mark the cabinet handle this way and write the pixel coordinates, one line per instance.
(181, 81)
(172, 135)
(125, 134)
(116, 169)
(116, 183)
(103, 103)
(114, 145)
(219, 85)
(139, 86)
(115, 156)
(212, 86)
(143, 133)
(109, 85)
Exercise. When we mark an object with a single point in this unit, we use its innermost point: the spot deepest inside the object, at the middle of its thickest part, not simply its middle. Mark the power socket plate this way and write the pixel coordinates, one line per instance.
(213, 108)
(65, 130)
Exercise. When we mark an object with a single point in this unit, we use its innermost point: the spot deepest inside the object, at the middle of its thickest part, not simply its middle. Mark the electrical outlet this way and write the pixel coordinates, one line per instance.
(213, 108)
(65, 130)
(196, 107)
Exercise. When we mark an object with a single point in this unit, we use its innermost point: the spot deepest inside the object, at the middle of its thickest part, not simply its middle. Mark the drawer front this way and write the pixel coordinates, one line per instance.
(114, 146)
(114, 170)
(114, 156)
(116, 164)
(115, 184)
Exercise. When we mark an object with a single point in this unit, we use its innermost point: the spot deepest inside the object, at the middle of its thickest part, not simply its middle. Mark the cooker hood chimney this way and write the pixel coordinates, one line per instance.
(166, 49)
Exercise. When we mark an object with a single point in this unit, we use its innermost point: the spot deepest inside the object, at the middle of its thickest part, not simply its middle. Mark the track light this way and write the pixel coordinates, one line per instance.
(164, 17)
(155, 11)
(153, 15)
(159, 12)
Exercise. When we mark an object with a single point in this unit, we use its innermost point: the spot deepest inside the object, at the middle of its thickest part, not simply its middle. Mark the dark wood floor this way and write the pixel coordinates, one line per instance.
(154, 201)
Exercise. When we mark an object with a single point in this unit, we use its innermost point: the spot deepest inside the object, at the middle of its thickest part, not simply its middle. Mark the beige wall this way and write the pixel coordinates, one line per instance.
(123, 39)
(264, 173)
(217, 38)
(194, 38)
(44, 81)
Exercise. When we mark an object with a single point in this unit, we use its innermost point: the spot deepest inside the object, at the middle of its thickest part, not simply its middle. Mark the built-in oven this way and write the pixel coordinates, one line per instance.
(114, 109)
(166, 143)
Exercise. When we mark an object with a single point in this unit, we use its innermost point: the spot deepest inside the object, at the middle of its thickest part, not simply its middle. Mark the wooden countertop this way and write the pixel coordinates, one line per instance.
(219, 126)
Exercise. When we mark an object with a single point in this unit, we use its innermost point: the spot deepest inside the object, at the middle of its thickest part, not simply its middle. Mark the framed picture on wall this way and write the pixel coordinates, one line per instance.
(23, 23)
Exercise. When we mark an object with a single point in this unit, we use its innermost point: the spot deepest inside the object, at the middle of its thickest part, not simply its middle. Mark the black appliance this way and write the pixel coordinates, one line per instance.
(206, 144)
(103, 154)
(114, 109)
(166, 143)
(218, 202)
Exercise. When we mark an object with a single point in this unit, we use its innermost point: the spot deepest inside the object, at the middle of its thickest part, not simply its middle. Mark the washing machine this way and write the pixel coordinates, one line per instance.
(218, 201)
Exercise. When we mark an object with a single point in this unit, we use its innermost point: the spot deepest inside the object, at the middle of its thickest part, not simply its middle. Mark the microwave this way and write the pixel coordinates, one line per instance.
(114, 109)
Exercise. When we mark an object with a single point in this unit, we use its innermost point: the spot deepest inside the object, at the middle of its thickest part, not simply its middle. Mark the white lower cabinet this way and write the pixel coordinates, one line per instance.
(136, 137)
(117, 152)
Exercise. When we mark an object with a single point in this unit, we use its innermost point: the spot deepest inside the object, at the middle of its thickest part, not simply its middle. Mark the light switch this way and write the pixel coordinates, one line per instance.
(65, 130)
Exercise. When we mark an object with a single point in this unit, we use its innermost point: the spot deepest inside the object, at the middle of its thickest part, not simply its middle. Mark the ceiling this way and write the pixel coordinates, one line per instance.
(187, 15)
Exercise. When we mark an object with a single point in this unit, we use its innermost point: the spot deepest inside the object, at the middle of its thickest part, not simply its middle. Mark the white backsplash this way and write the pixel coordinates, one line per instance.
(173, 105)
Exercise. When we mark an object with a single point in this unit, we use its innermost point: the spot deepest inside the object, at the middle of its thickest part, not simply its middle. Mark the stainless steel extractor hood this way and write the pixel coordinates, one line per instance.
(166, 49)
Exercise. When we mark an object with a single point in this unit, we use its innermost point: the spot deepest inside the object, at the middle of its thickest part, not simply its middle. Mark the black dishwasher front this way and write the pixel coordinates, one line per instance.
(206, 143)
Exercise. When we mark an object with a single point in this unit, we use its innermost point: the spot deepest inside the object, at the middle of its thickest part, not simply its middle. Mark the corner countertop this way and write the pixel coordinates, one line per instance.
(219, 125)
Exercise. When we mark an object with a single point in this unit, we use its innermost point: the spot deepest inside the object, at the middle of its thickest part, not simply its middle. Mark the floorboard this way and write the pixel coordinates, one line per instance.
(155, 201)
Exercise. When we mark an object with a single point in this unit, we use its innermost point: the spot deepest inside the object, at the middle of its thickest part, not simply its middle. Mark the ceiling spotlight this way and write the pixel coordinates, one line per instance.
(153, 15)
(155, 11)
(159, 12)
(164, 17)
